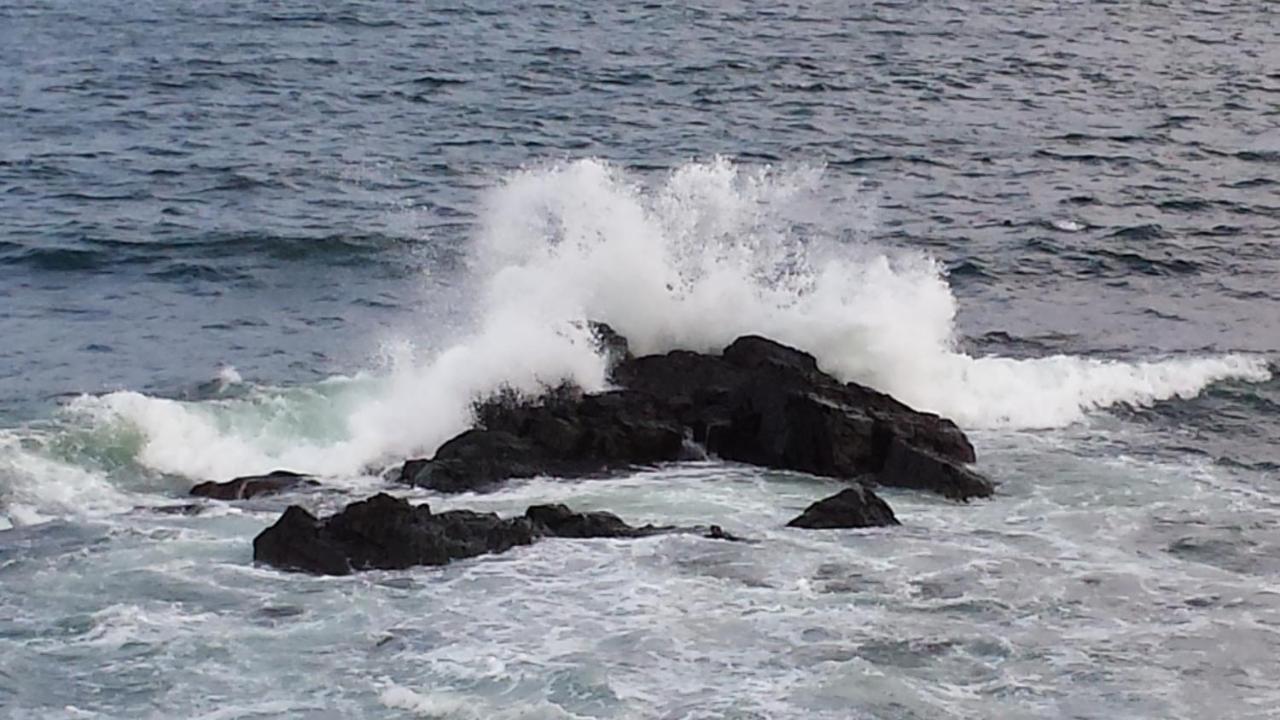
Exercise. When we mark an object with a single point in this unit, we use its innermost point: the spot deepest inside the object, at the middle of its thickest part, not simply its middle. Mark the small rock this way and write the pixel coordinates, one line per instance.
(715, 532)
(560, 521)
(182, 509)
(243, 488)
(853, 507)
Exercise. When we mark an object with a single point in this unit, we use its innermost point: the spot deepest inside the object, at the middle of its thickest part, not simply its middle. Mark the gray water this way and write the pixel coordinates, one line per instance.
(241, 236)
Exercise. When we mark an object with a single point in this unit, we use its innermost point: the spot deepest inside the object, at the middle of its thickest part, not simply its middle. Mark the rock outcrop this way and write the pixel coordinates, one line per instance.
(763, 403)
(853, 507)
(566, 434)
(243, 488)
(757, 402)
(388, 533)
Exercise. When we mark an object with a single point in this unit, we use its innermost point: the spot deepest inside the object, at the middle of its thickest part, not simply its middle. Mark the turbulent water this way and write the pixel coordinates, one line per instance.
(241, 236)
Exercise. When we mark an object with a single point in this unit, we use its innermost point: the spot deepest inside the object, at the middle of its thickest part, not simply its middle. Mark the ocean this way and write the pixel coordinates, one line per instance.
(245, 236)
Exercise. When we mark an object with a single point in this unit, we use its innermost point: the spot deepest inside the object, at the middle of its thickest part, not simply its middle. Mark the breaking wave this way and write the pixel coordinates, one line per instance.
(713, 251)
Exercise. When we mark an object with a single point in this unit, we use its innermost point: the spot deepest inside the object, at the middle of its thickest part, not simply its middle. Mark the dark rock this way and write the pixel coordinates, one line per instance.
(759, 402)
(679, 373)
(693, 387)
(909, 466)
(475, 459)
(615, 347)
(387, 533)
(715, 532)
(853, 507)
(560, 521)
(560, 436)
(183, 509)
(408, 471)
(752, 351)
(928, 430)
(243, 488)
(297, 542)
(775, 423)
(767, 404)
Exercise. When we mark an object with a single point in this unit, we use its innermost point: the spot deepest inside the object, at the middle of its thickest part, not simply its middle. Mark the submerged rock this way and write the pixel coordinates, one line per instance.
(181, 509)
(715, 532)
(560, 521)
(388, 533)
(853, 507)
(758, 402)
(243, 488)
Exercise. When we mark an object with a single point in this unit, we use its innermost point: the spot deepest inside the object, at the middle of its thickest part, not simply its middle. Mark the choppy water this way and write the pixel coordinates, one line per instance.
(239, 236)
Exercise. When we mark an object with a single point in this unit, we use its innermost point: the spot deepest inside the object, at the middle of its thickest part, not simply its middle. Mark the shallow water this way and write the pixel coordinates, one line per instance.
(242, 236)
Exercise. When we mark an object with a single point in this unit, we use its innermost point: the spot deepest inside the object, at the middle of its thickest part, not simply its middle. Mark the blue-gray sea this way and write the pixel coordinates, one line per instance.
(239, 236)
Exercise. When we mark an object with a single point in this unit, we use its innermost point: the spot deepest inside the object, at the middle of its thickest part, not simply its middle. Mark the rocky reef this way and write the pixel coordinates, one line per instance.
(757, 402)
(388, 533)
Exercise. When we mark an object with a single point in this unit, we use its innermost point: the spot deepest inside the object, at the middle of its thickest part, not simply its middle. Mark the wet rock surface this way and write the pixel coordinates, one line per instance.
(243, 488)
(908, 466)
(388, 533)
(383, 533)
(565, 435)
(757, 402)
(852, 507)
